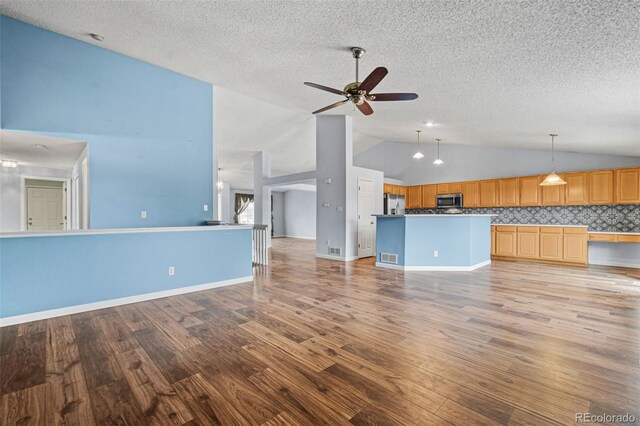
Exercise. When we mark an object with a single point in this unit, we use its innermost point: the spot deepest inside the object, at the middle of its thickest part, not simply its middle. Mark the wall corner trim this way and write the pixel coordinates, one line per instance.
(52, 313)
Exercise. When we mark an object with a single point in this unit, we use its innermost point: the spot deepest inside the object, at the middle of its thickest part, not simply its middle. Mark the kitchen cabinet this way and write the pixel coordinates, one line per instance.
(506, 241)
(489, 195)
(401, 190)
(551, 243)
(528, 242)
(388, 188)
(576, 189)
(601, 187)
(471, 194)
(575, 245)
(509, 193)
(627, 182)
(493, 241)
(529, 191)
(414, 197)
(449, 188)
(553, 195)
(429, 193)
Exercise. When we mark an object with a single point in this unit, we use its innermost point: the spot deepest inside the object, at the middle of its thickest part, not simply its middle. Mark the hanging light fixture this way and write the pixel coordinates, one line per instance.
(438, 161)
(219, 184)
(553, 179)
(418, 155)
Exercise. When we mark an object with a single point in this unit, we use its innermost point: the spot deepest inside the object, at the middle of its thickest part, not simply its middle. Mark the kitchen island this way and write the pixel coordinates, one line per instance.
(433, 242)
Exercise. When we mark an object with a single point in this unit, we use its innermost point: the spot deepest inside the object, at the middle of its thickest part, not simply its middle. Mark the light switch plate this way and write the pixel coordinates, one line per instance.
(206, 207)
(143, 214)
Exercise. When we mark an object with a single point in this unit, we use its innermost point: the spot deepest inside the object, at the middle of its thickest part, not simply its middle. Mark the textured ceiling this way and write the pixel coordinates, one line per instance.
(54, 152)
(493, 73)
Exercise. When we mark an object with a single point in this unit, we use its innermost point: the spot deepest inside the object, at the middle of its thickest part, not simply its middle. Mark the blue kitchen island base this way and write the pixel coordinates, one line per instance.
(433, 242)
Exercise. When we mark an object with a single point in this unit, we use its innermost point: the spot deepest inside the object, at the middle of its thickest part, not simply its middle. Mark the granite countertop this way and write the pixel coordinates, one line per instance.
(436, 215)
(535, 224)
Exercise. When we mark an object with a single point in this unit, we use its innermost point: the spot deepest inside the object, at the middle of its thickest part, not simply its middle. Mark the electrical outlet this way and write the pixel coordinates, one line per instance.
(143, 214)
(435, 253)
(206, 207)
(172, 270)
(328, 243)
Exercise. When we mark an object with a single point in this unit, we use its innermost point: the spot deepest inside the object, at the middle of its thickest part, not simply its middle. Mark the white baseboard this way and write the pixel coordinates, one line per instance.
(35, 316)
(435, 268)
(299, 238)
(615, 263)
(341, 259)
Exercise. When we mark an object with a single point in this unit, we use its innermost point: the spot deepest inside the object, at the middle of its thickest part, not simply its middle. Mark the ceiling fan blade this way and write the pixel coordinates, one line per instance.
(373, 79)
(337, 104)
(365, 108)
(325, 88)
(393, 96)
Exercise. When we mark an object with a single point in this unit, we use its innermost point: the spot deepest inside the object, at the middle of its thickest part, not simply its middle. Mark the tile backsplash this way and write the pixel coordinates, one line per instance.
(608, 218)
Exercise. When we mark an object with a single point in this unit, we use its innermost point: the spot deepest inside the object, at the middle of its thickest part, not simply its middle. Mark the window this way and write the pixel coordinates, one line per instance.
(246, 217)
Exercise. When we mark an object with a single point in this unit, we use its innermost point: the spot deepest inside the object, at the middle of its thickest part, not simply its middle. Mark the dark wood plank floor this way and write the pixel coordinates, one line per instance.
(314, 341)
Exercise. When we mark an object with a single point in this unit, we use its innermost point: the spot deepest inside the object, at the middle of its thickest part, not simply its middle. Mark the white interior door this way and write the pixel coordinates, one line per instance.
(45, 209)
(365, 220)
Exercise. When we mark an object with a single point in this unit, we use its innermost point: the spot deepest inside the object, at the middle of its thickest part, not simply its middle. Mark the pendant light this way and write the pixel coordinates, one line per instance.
(438, 161)
(418, 155)
(219, 184)
(553, 179)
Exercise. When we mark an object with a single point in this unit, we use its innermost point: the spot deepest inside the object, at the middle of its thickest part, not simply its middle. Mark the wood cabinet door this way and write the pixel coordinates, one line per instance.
(493, 241)
(601, 187)
(489, 193)
(553, 195)
(429, 193)
(576, 189)
(443, 188)
(455, 188)
(414, 197)
(528, 242)
(506, 243)
(471, 194)
(509, 192)
(627, 186)
(402, 190)
(388, 188)
(530, 193)
(551, 243)
(575, 248)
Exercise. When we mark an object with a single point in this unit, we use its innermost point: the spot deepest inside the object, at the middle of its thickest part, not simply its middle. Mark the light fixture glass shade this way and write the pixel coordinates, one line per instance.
(552, 180)
(418, 155)
(220, 184)
(438, 161)
(9, 164)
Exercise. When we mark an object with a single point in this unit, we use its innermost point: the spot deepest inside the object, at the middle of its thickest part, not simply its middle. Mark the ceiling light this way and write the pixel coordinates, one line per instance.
(429, 124)
(39, 146)
(219, 184)
(96, 37)
(438, 161)
(10, 164)
(418, 155)
(553, 179)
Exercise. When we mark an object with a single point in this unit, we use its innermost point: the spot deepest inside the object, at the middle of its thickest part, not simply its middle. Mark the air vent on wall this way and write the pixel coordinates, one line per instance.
(389, 258)
(336, 251)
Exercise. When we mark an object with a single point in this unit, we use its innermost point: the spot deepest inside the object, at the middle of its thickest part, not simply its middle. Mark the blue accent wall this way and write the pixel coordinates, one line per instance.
(149, 130)
(460, 240)
(43, 273)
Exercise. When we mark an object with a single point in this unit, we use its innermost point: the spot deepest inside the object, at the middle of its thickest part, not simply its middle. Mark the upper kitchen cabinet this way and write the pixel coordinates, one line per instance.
(388, 188)
(471, 194)
(509, 193)
(601, 187)
(429, 193)
(414, 197)
(489, 195)
(553, 195)
(576, 189)
(530, 193)
(449, 188)
(627, 182)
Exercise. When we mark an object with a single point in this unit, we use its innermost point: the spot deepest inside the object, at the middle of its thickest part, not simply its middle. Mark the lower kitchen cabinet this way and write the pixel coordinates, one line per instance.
(555, 244)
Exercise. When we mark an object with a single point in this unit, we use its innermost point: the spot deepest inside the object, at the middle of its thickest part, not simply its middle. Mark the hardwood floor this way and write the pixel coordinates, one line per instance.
(314, 341)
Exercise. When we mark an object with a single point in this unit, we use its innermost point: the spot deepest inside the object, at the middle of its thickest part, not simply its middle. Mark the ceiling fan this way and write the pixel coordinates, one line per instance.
(360, 92)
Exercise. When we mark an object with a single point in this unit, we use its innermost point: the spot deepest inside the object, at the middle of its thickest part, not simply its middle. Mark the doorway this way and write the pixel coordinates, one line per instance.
(46, 204)
(366, 222)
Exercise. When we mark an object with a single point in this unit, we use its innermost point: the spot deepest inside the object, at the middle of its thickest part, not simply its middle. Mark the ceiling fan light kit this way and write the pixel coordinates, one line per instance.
(553, 179)
(359, 93)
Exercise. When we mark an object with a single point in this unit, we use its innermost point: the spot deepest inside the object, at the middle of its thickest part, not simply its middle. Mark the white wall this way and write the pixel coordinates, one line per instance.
(471, 162)
(225, 206)
(300, 214)
(10, 191)
(278, 213)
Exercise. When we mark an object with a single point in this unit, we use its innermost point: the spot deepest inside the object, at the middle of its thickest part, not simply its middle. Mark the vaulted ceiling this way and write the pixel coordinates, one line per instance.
(489, 73)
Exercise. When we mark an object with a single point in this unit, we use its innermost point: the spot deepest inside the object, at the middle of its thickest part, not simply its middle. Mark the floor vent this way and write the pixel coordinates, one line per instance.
(336, 251)
(389, 258)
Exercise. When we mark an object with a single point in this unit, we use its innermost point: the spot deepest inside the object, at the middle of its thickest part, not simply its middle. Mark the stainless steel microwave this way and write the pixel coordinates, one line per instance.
(449, 201)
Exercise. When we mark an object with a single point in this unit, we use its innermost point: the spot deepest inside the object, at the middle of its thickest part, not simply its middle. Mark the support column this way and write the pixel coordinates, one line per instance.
(261, 192)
